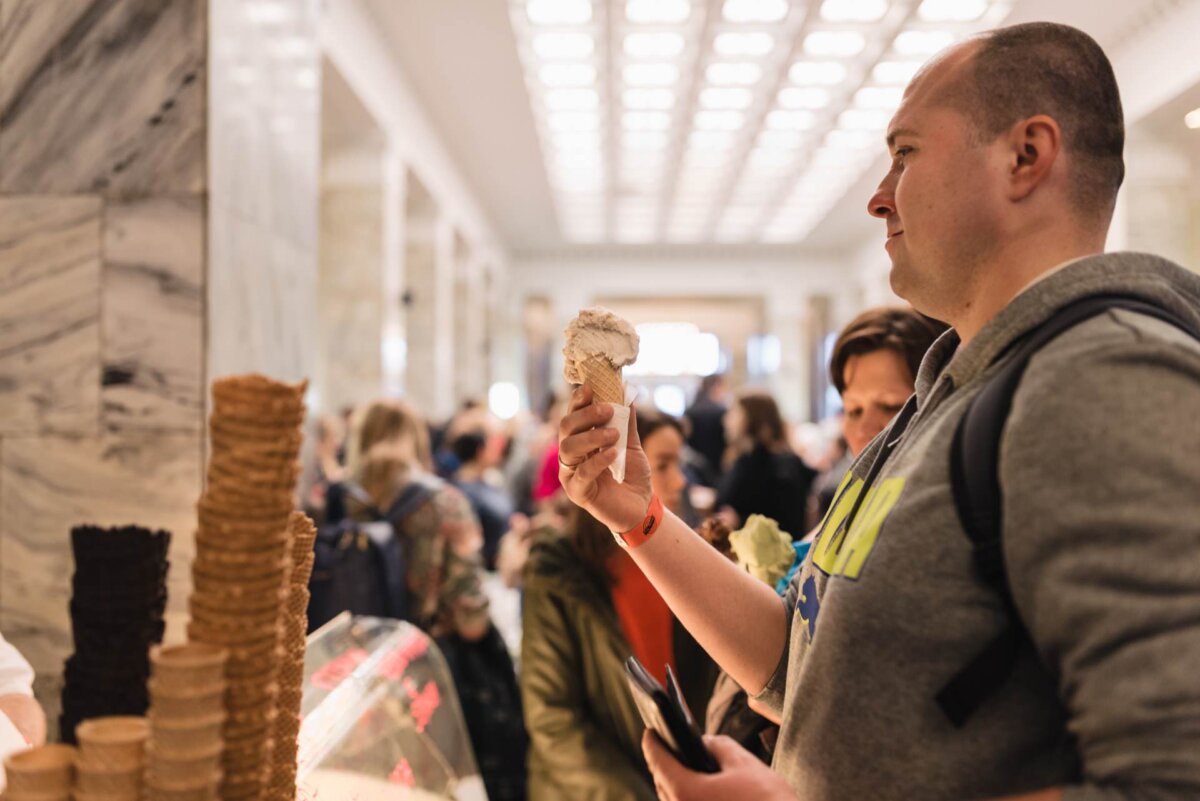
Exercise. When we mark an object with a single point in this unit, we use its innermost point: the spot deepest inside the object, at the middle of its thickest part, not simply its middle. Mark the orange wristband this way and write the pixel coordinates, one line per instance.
(644, 530)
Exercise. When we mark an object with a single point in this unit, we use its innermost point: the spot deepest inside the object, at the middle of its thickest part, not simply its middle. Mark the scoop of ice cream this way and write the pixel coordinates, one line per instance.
(597, 333)
(763, 549)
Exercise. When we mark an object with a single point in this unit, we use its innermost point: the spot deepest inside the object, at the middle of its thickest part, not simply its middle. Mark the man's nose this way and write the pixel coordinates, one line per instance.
(883, 203)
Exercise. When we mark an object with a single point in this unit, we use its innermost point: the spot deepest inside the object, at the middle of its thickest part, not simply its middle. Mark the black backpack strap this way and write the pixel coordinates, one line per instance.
(975, 481)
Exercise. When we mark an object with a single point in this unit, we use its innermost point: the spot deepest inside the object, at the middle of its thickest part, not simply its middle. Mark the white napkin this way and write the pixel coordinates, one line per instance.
(619, 421)
(11, 741)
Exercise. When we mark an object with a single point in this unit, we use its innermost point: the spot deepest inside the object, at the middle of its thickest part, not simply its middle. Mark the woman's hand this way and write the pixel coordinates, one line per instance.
(584, 454)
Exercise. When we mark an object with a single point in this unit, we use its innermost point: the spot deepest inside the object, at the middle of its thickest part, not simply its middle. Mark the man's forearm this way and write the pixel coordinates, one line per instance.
(737, 619)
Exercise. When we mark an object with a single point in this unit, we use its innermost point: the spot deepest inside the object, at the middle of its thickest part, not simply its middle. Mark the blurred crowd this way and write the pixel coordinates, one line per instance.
(478, 495)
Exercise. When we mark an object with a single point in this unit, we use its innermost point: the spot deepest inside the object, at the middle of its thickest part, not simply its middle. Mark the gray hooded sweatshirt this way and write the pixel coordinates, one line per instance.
(1100, 473)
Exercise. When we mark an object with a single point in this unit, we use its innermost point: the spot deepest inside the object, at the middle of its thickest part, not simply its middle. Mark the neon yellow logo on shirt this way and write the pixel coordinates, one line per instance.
(841, 553)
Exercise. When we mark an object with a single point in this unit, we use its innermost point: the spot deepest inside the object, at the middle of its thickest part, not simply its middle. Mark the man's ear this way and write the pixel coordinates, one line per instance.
(1035, 144)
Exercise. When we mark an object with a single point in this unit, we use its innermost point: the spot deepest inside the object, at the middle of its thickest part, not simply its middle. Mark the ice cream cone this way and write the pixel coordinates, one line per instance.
(604, 379)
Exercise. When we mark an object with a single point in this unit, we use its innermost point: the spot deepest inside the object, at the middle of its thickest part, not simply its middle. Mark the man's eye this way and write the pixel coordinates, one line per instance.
(854, 414)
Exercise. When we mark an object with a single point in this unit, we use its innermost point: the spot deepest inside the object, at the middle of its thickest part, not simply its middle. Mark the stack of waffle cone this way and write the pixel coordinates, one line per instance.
(604, 379)
(243, 566)
(281, 783)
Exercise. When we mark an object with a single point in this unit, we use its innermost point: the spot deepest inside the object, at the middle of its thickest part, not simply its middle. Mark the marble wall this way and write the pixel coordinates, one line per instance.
(102, 215)
(158, 208)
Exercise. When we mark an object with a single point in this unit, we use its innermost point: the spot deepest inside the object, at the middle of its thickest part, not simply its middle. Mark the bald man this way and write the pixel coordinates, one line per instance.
(1006, 161)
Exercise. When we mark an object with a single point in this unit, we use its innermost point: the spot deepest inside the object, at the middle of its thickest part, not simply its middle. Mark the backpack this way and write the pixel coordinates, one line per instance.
(974, 474)
(360, 566)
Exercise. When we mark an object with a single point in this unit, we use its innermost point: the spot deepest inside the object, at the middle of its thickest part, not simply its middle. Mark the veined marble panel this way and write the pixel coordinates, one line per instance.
(154, 314)
(49, 314)
(103, 96)
(49, 484)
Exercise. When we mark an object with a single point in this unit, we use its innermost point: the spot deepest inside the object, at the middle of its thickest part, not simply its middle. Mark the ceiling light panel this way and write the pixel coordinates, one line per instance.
(733, 73)
(648, 98)
(754, 10)
(895, 73)
(738, 119)
(572, 99)
(650, 74)
(653, 45)
(568, 75)
(643, 11)
(725, 97)
(803, 97)
(922, 43)
(817, 73)
(834, 44)
(952, 10)
(743, 44)
(559, 12)
(563, 45)
(854, 10)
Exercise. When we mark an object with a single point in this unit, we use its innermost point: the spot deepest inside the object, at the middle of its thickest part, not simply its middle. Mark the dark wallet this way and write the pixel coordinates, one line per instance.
(665, 712)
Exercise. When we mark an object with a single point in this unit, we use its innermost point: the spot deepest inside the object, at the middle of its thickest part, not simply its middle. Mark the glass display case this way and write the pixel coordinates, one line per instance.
(381, 719)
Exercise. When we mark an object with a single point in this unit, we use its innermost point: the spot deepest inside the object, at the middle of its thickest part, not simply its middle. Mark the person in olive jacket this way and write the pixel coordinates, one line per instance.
(587, 608)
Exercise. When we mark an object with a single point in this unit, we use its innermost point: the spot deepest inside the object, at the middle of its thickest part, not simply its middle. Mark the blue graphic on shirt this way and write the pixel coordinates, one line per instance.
(809, 606)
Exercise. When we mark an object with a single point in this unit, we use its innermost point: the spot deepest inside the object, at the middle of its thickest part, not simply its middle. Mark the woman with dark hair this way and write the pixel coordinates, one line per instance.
(586, 609)
(766, 477)
(874, 368)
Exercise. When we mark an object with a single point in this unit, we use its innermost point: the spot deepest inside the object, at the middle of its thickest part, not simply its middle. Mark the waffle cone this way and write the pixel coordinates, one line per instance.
(604, 379)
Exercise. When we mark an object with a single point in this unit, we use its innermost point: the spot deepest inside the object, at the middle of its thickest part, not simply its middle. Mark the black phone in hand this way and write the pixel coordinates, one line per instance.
(664, 711)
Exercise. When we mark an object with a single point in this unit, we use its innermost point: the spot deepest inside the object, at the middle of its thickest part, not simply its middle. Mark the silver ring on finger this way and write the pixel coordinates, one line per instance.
(571, 468)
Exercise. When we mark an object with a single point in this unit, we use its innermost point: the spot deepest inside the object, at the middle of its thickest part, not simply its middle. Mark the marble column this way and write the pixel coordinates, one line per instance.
(350, 297)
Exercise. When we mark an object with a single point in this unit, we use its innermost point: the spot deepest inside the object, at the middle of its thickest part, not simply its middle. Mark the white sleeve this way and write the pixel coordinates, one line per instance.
(16, 676)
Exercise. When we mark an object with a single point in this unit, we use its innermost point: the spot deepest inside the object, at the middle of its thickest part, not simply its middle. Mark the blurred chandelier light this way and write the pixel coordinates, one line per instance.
(559, 12)
(726, 98)
(895, 73)
(568, 74)
(952, 10)
(650, 74)
(648, 98)
(653, 45)
(638, 11)
(733, 73)
(835, 44)
(755, 10)
(743, 44)
(853, 10)
(563, 45)
(822, 73)
(803, 97)
(922, 43)
(1192, 119)
(572, 99)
